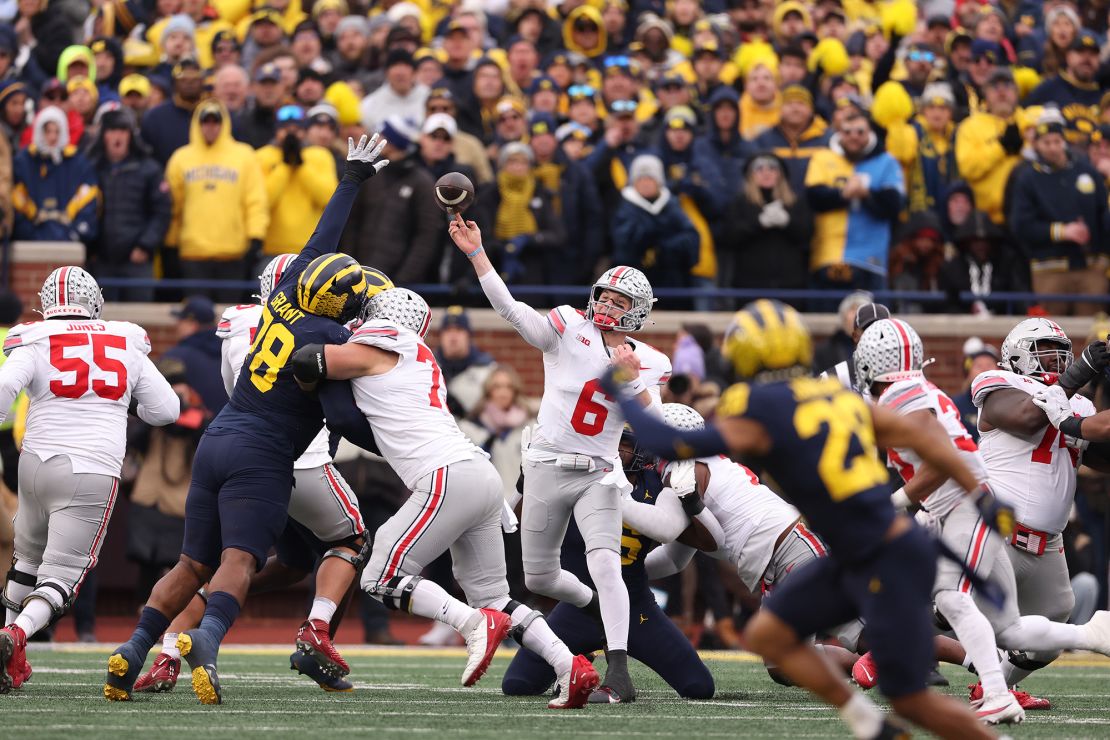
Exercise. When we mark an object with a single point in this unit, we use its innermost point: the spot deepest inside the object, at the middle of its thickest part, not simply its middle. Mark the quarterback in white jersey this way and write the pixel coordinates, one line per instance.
(889, 361)
(572, 466)
(456, 499)
(81, 374)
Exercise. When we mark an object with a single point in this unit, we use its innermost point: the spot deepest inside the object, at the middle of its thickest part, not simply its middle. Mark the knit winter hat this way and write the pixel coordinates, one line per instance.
(649, 166)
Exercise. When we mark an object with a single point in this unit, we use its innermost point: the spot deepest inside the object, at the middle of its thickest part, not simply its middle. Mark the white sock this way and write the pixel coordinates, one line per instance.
(862, 716)
(1037, 633)
(322, 609)
(169, 645)
(17, 592)
(605, 570)
(35, 615)
(541, 640)
(975, 633)
(431, 601)
(1012, 674)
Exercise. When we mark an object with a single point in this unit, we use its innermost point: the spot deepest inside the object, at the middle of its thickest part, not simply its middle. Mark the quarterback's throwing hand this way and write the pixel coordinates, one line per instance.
(626, 362)
(466, 234)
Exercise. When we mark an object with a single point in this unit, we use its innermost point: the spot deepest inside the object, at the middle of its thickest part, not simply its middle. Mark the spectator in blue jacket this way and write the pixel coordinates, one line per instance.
(1058, 210)
(722, 143)
(166, 126)
(697, 183)
(137, 206)
(575, 200)
(56, 196)
(198, 348)
(1074, 90)
(649, 229)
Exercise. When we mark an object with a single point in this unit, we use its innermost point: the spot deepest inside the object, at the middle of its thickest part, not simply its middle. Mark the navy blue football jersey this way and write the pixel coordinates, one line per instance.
(823, 457)
(634, 546)
(266, 402)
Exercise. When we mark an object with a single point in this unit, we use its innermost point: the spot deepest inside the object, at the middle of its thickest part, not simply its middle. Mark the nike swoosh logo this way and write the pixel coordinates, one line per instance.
(492, 625)
(574, 677)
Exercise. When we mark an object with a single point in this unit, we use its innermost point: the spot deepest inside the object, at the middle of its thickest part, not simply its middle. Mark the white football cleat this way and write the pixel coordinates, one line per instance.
(1000, 709)
(482, 643)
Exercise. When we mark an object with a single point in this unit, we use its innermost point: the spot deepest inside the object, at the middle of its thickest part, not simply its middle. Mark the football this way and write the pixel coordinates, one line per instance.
(454, 193)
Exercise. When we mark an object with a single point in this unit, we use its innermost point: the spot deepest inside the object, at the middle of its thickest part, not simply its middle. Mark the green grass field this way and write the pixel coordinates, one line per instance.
(415, 692)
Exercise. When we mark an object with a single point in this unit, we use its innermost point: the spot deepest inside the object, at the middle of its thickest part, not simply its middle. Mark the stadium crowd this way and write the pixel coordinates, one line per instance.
(955, 147)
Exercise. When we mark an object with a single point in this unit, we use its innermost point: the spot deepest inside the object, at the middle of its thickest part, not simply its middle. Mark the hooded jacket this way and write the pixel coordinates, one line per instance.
(696, 182)
(136, 200)
(75, 53)
(591, 13)
(655, 236)
(729, 155)
(796, 153)
(56, 197)
(219, 194)
(296, 195)
(855, 233)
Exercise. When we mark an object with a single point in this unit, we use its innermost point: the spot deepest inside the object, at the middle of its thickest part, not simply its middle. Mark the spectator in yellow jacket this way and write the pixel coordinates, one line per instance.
(220, 215)
(989, 144)
(300, 179)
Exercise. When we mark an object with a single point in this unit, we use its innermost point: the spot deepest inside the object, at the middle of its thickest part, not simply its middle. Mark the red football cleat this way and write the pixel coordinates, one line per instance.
(161, 677)
(576, 685)
(313, 640)
(1024, 698)
(13, 658)
(865, 672)
(482, 643)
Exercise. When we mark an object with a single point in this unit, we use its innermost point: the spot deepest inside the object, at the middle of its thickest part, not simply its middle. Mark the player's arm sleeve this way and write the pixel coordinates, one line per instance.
(325, 238)
(534, 328)
(157, 403)
(256, 208)
(659, 438)
(343, 415)
(667, 560)
(663, 522)
(15, 374)
(232, 354)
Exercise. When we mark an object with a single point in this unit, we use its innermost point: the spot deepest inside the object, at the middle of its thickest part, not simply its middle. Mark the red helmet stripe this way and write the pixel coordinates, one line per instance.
(616, 275)
(61, 299)
(279, 269)
(905, 344)
(427, 322)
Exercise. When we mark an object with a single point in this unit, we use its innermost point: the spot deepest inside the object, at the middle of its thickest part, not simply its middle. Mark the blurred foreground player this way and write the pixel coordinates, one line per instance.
(81, 374)
(243, 470)
(818, 439)
(653, 639)
(456, 500)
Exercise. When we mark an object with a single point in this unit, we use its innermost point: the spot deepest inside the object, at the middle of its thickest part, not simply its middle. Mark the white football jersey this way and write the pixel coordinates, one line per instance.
(407, 406)
(576, 416)
(1034, 474)
(751, 515)
(907, 396)
(80, 377)
(236, 328)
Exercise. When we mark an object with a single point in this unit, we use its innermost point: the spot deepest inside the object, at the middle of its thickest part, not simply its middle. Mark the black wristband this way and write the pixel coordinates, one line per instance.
(1072, 427)
(692, 504)
(309, 363)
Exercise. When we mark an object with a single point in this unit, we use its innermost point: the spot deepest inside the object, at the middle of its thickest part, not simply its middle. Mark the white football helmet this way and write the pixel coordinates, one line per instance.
(681, 416)
(627, 281)
(1031, 343)
(888, 351)
(70, 291)
(401, 306)
(273, 274)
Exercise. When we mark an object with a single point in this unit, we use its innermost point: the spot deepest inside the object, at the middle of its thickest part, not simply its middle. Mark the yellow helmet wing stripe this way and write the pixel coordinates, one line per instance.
(324, 291)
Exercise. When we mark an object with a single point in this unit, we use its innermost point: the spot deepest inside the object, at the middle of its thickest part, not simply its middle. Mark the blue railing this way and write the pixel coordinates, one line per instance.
(1006, 302)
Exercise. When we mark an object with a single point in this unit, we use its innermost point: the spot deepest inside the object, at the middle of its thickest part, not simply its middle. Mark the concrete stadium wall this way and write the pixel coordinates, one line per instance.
(944, 335)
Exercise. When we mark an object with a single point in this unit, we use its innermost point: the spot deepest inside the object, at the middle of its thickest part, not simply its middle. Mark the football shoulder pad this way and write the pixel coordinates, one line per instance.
(565, 317)
(996, 380)
(238, 320)
(384, 335)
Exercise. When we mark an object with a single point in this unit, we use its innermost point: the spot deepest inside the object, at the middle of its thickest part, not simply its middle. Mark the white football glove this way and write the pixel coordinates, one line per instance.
(927, 521)
(361, 156)
(682, 477)
(1055, 404)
